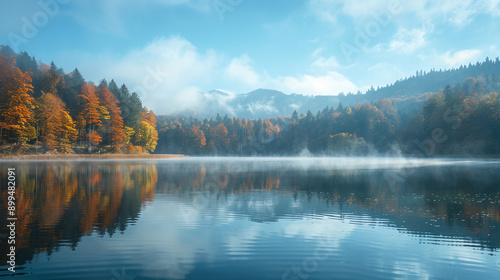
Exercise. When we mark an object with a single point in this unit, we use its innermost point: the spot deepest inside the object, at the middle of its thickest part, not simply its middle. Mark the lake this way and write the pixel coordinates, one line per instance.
(254, 218)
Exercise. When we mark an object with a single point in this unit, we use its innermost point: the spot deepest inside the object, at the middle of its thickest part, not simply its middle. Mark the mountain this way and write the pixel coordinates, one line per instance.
(260, 103)
(264, 103)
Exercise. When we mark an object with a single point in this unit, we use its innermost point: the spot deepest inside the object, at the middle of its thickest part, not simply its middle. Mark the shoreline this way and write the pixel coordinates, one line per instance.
(90, 156)
(56, 157)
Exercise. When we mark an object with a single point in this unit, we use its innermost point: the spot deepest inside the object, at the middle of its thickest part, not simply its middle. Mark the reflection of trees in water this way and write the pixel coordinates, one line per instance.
(58, 203)
(454, 201)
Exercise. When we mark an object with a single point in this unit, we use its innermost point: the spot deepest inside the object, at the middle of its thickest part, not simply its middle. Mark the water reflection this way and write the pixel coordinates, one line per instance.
(258, 217)
(454, 198)
(59, 202)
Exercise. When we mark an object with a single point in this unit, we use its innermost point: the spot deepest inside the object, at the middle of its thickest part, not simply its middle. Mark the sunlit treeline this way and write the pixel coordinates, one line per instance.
(59, 203)
(43, 108)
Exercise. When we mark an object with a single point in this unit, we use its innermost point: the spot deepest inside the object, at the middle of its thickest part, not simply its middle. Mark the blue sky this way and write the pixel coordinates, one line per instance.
(171, 50)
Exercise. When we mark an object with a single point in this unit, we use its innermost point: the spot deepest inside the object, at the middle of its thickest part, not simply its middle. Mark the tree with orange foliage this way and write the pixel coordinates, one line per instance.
(91, 113)
(222, 139)
(55, 125)
(114, 127)
(16, 103)
(197, 137)
(48, 116)
(149, 116)
(221, 132)
(94, 138)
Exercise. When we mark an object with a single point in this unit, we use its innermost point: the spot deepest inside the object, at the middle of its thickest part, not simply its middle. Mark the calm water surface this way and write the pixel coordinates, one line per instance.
(255, 218)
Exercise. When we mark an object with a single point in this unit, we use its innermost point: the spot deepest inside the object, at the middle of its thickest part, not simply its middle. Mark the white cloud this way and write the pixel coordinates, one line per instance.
(459, 57)
(326, 63)
(362, 8)
(408, 41)
(330, 10)
(324, 10)
(456, 12)
(404, 41)
(169, 73)
(240, 70)
(493, 6)
(326, 83)
(323, 63)
(331, 83)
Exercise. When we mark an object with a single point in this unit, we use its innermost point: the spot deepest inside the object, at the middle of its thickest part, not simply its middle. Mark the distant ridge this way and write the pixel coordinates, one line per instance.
(264, 103)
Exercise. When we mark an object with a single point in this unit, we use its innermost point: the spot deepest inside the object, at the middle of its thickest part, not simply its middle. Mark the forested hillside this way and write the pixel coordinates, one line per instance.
(44, 109)
(436, 80)
(265, 103)
(463, 120)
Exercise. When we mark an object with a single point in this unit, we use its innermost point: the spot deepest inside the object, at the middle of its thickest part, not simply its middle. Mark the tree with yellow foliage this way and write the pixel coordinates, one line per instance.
(66, 132)
(55, 125)
(48, 115)
(147, 135)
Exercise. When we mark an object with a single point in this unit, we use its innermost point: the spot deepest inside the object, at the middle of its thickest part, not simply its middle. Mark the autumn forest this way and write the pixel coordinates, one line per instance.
(46, 110)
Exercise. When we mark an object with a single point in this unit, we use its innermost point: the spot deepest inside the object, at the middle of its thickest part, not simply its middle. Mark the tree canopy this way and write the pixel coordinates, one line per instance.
(44, 109)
